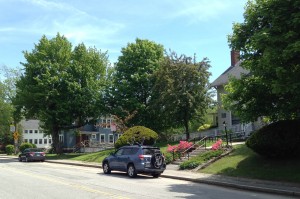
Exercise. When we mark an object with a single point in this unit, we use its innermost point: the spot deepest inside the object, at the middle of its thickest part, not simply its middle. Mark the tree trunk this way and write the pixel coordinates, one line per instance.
(55, 138)
(186, 125)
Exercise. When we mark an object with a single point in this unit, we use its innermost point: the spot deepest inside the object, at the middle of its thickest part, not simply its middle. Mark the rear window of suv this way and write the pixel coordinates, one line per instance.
(150, 151)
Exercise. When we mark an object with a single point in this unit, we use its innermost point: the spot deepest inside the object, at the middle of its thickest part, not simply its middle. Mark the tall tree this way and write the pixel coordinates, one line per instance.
(60, 85)
(133, 81)
(7, 92)
(269, 41)
(5, 117)
(182, 90)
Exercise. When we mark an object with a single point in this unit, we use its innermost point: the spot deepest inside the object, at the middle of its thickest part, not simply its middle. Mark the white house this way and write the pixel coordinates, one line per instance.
(32, 133)
(232, 122)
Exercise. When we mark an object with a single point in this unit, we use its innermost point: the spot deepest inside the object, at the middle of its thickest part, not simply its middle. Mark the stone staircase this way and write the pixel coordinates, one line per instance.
(188, 155)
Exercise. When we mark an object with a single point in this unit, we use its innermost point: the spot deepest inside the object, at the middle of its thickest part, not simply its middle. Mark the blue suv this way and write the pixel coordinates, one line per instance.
(136, 159)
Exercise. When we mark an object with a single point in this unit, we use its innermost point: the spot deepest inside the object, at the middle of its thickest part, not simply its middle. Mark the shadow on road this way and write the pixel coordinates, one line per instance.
(116, 174)
(8, 159)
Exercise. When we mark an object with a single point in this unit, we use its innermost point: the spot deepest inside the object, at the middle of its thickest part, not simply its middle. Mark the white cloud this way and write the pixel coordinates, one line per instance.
(51, 5)
(75, 24)
(202, 10)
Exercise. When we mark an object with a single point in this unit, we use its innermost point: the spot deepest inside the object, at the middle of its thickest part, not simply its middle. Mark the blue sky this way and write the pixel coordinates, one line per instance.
(185, 26)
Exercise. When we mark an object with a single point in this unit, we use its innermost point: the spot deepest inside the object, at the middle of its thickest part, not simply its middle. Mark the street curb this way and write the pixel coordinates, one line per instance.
(203, 181)
(237, 186)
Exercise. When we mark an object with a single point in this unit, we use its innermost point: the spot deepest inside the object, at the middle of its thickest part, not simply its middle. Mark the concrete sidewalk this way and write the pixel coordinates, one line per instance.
(290, 189)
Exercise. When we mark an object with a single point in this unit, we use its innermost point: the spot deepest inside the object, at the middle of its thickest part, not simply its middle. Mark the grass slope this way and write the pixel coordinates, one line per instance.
(86, 157)
(243, 162)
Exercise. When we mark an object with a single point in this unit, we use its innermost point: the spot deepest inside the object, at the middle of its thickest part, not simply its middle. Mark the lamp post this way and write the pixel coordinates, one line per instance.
(224, 123)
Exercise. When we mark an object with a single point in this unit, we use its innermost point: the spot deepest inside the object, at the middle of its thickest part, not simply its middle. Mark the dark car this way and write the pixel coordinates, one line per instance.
(32, 154)
(136, 159)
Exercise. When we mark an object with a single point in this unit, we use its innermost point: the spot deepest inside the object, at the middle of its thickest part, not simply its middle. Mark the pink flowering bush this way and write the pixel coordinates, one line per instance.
(171, 148)
(184, 145)
(217, 145)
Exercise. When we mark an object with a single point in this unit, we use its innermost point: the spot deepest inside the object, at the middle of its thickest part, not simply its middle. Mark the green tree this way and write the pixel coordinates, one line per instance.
(181, 91)
(60, 85)
(269, 41)
(133, 81)
(5, 116)
(7, 92)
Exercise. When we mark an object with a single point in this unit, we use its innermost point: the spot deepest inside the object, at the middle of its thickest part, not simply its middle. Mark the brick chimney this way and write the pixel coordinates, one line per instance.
(235, 57)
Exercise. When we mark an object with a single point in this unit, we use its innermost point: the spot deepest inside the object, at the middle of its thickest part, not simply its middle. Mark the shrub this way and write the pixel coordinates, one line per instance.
(217, 145)
(9, 149)
(277, 140)
(181, 147)
(137, 134)
(25, 145)
(204, 127)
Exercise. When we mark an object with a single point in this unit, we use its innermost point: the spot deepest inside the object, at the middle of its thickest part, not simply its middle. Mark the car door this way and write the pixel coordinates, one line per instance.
(114, 161)
(124, 158)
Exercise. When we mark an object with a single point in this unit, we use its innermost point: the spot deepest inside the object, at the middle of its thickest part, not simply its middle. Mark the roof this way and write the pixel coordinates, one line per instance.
(233, 71)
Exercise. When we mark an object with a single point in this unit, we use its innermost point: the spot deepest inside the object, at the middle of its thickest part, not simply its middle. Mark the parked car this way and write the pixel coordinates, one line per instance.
(136, 159)
(32, 154)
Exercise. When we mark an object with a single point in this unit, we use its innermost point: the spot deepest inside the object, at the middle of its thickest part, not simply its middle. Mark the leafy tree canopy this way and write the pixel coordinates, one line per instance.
(61, 85)
(181, 90)
(269, 41)
(5, 116)
(133, 81)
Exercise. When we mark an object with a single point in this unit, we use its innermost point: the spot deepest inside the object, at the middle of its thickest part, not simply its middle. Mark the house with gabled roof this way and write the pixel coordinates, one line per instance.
(232, 122)
(88, 138)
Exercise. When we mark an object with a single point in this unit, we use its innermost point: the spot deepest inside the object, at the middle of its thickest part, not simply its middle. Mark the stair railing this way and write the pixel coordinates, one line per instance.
(192, 146)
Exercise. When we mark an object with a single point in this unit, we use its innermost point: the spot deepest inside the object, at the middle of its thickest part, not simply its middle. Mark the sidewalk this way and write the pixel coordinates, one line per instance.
(290, 189)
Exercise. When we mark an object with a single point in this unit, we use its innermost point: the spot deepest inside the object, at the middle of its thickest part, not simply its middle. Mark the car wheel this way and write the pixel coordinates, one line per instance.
(20, 159)
(155, 175)
(131, 172)
(157, 160)
(42, 160)
(106, 168)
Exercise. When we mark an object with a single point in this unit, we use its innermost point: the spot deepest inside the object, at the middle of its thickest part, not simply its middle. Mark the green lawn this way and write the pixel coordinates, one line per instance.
(243, 162)
(86, 157)
(99, 156)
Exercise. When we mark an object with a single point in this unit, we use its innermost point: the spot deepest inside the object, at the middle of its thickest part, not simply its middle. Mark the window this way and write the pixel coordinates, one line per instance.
(50, 141)
(36, 131)
(111, 138)
(94, 136)
(45, 141)
(105, 123)
(41, 131)
(30, 141)
(40, 141)
(223, 115)
(35, 141)
(130, 151)
(26, 140)
(108, 124)
(61, 138)
(119, 152)
(26, 131)
(30, 131)
(102, 138)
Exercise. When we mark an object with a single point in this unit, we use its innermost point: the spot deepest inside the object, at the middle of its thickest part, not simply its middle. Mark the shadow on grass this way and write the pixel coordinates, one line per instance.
(243, 162)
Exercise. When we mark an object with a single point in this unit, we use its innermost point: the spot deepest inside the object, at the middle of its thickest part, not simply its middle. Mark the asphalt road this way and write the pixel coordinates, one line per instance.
(37, 180)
